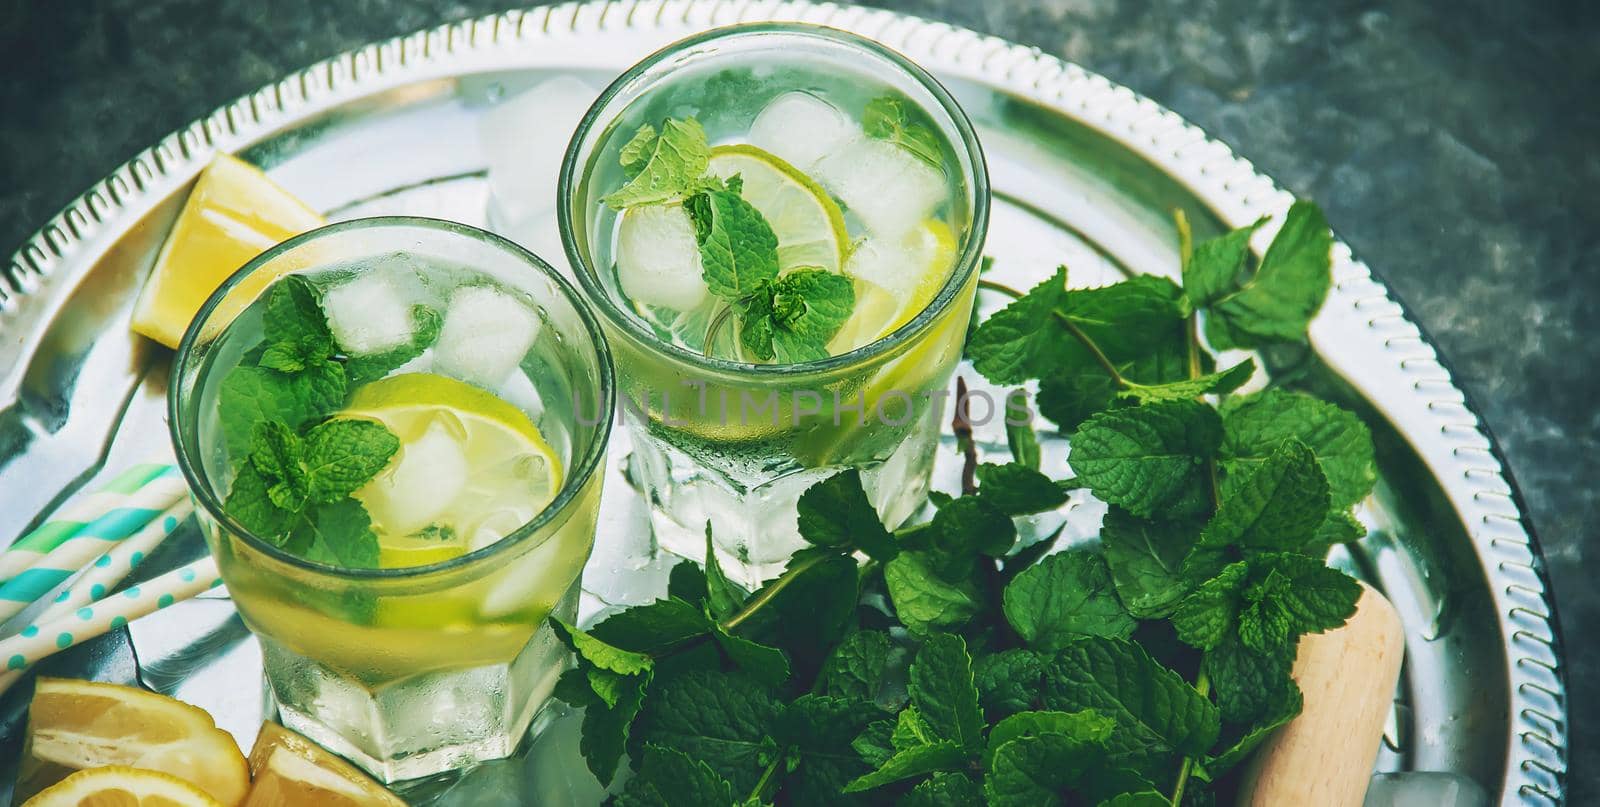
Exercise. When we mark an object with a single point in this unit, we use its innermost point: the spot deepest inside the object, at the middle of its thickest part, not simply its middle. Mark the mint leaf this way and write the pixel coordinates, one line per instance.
(723, 596)
(836, 513)
(1008, 681)
(944, 693)
(817, 731)
(942, 755)
(1277, 507)
(1020, 436)
(1087, 725)
(719, 718)
(1208, 615)
(912, 730)
(1213, 268)
(1284, 703)
(1155, 709)
(765, 664)
(670, 778)
(944, 789)
(1146, 558)
(1147, 458)
(653, 628)
(1253, 426)
(371, 367)
(858, 668)
(738, 252)
(875, 742)
(1143, 798)
(687, 582)
(661, 166)
(1276, 304)
(970, 525)
(606, 727)
(1249, 685)
(338, 534)
(1291, 595)
(1068, 397)
(1219, 383)
(250, 396)
(249, 504)
(294, 316)
(280, 457)
(1018, 490)
(1022, 340)
(344, 454)
(925, 601)
(886, 118)
(1037, 769)
(598, 653)
(808, 308)
(806, 609)
(1065, 596)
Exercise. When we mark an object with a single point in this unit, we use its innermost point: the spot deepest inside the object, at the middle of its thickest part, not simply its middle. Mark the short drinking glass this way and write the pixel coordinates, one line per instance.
(395, 431)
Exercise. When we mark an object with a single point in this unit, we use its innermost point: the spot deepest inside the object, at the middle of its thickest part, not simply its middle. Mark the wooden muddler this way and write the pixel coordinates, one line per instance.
(1324, 757)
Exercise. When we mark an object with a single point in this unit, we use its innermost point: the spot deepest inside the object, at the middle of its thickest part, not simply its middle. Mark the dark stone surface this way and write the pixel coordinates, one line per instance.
(1456, 148)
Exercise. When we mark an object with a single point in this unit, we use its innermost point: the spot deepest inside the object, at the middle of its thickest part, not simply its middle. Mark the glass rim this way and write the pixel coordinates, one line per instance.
(592, 461)
(965, 266)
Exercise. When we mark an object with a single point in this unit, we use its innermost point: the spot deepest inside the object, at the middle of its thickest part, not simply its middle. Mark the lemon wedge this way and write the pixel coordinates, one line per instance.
(233, 214)
(290, 771)
(917, 267)
(471, 468)
(808, 223)
(77, 725)
(121, 786)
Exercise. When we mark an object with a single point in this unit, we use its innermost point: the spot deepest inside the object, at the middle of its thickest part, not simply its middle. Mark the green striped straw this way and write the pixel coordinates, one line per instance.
(106, 572)
(70, 551)
(85, 623)
(29, 548)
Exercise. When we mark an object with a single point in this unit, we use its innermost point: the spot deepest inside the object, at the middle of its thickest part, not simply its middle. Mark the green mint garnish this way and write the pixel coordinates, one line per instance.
(426, 323)
(294, 469)
(787, 319)
(661, 166)
(886, 118)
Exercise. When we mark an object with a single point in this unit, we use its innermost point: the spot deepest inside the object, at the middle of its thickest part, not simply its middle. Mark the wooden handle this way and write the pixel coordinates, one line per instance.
(1324, 757)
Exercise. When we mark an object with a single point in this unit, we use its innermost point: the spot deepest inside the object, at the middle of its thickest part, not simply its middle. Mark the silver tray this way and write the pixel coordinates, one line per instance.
(1085, 172)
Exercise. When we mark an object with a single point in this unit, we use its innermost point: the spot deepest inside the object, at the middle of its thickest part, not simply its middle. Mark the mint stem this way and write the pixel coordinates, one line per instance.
(1094, 350)
(767, 594)
(758, 793)
(1000, 287)
(715, 327)
(1202, 684)
(961, 425)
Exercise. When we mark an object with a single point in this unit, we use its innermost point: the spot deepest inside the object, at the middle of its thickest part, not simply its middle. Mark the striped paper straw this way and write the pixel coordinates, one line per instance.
(107, 570)
(90, 540)
(39, 641)
(73, 517)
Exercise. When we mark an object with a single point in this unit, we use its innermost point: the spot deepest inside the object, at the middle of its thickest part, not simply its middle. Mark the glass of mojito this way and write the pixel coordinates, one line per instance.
(395, 431)
(780, 225)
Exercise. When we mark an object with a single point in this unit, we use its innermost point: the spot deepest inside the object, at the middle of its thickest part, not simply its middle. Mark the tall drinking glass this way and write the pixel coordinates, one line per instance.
(402, 624)
(861, 165)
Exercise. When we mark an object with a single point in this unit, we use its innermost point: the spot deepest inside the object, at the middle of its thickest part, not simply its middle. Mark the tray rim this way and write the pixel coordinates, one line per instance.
(48, 264)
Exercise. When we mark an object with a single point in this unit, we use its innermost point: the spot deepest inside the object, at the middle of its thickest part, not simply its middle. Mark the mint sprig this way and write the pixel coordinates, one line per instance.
(942, 663)
(788, 319)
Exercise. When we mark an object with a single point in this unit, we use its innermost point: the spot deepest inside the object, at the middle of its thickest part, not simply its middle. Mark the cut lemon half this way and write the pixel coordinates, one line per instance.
(77, 725)
(290, 771)
(120, 786)
(471, 468)
(233, 214)
(916, 269)
(808, 223)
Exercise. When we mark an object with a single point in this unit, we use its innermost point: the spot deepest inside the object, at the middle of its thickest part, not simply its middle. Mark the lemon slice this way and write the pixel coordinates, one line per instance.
(915, 269)
(471, 468)
(290, 770)
(76, 725)
(119, 786)
(233, 214)
(809, 225)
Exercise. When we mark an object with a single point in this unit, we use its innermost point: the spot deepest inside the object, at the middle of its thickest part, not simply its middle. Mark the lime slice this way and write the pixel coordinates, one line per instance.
(808, 223)
(894, 283)
(471, 468)
(233, 214)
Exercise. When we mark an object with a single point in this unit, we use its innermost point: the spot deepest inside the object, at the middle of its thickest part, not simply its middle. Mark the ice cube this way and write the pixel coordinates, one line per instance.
(524, 139)
(1424, 789)
(486, 333)
(421, 484)
(369, 313)
(658, 260)
(895, 265)
(801, 128)
(886, 187)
